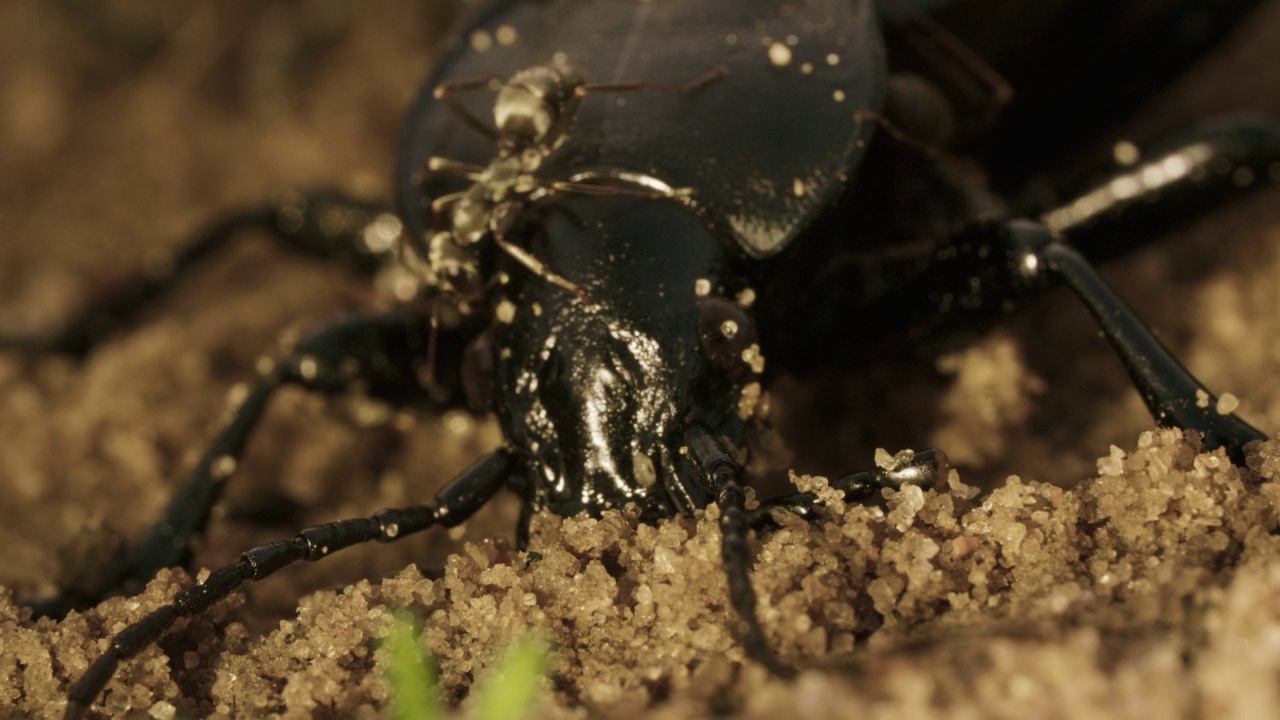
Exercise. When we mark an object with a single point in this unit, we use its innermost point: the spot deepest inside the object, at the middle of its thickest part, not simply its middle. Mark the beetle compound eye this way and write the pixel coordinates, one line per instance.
(478, 372)
(727, 336)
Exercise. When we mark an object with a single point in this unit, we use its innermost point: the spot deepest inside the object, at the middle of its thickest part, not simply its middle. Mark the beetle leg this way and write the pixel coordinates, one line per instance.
(380, 354)
(1168, 184)
(458, 501)
(1217, 160)
(324, 224)
(992, 267)
(927, 468)
(1172, 394)
(973, 277)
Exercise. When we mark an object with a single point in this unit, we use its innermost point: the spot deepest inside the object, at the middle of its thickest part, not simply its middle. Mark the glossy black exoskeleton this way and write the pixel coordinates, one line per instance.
(623, 342)
(533, 113)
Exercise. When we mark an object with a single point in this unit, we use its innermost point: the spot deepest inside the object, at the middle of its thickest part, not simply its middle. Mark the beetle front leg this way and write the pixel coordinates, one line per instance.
(382, 355)
(992, 265)
(324, 224)
(927, 469)
(976, 275)
(453, 505)
(1172, 394)
(722, 475)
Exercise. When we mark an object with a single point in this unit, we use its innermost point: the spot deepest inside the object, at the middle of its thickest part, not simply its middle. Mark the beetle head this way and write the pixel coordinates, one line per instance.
(598, 394)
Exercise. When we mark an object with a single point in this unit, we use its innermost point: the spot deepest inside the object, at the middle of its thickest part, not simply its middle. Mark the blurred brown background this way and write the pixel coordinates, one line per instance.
(124, 126)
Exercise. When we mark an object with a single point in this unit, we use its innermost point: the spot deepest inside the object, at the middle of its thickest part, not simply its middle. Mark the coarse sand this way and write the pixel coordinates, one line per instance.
(1077, 564)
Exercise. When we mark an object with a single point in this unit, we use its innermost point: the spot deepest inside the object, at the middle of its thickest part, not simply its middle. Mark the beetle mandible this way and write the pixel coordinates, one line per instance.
(592, 361)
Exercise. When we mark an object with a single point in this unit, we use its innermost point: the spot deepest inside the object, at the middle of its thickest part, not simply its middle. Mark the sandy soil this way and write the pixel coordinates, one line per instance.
(1146, 588)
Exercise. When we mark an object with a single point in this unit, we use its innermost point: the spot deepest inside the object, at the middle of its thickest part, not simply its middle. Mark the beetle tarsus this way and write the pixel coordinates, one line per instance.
(926, 468)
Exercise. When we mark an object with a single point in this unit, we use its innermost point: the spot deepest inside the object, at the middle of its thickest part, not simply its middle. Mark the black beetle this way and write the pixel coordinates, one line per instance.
(563, 229)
